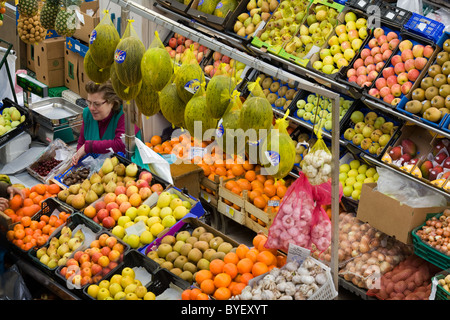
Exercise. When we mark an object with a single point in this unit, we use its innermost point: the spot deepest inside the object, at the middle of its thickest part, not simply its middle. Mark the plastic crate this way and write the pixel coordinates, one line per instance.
(303, 94)
(441, 293)
(24, 126)
(74, 222)
(361, 4)
(443, 123)
(387, 117)
(392, 14)
(427, 252)
(342, 74)
(135, 260)
(415, 40)
(175, 6)
(425, 27)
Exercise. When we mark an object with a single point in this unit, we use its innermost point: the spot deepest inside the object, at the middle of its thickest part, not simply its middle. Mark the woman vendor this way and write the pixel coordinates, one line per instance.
(103, 122)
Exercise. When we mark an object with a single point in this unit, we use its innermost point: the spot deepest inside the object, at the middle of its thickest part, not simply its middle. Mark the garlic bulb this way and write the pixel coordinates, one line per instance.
(291, 266)
(281, 286)
(290, 289)
(307, 279)
(285, 297)
(321, 278)
(267, 295)
(302, 271)
(308, 263)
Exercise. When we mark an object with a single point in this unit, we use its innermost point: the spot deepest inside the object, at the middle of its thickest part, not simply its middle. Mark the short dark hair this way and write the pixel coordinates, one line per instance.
(108, 93)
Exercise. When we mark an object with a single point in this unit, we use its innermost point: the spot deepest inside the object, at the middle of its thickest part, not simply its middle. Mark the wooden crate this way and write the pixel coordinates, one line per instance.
(5, 222)
(258, 220)
(226, 201)
(210, 190)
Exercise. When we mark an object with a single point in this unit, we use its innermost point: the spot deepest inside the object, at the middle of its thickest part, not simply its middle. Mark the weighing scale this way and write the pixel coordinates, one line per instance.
(52, 118)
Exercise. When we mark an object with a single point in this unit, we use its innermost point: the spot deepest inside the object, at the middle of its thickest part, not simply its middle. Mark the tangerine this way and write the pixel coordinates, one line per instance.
(202, 296)
(250, 175)
(41, 188)
(259, 202)
(231, 269)
(208, 286)
(53, 188)
(194, 293)
(155, 140)
(216, 266)
(186, 294)
(259, 268)
(16, 202)
(231, 257)
(244, 266)
(202, 275)
(266, 257)
(252, 254)
(237, 288)
(242, 250)
(222, 294)
(222, 280)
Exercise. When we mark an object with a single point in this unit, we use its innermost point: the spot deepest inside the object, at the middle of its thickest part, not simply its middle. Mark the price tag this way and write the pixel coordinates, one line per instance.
(273, 203)
(136, 228)
(421, 26)
(362, 3)
(314, 49)
(196, 152)
(77, 48)
(205, 196)
(390, 15)
(230, 210)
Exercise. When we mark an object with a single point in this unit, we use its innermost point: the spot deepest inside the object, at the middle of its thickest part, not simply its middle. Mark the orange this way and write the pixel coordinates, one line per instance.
(19, 233)
(281, 261)
(26, 192)
(27, 202)
(52, 220)
(244, 265)
(155, 140)
(221, 171)
(242, 250)
(248, 166)
(202, 275)
(252, 254)
(10, 235)
(186, 294)
(26, 221)
(222, 280)
(270, 190)
(16, 202)
(244, 184)
(216, 266)
(230, 184)
(261, 178)
(257, 239)
(256, 184)
(237, 169)
(281, 191)
(44, 218)
(222, 294)
(250, 175)
(231, 269)
(231, 257)
(53, 188)
(202, 296)
(41, 188)
(9, 212)
(266, 257)
(236, 190)
(259, 202)
(34, 224)
(253, 194)
(208, 286)
(38, 199)
(259, 268)
(194, 293)
(237, 288)
(28, 211)
(18, 226)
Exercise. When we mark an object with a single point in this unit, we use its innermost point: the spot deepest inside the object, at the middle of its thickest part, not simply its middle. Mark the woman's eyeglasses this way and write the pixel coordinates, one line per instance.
(95, 104)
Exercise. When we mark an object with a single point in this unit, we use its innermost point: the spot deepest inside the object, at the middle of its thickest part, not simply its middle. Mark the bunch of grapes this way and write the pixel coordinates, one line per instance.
(44, 167)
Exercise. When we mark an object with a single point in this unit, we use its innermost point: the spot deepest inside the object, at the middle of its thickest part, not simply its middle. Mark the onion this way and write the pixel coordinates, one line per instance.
(363, 247)
(385, 267)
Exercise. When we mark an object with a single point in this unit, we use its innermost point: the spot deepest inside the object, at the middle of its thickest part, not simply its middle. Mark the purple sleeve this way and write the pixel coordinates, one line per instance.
(81, 139)
(102, 146)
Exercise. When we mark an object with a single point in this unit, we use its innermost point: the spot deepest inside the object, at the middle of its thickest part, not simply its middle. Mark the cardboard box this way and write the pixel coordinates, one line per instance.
(388, 215)
(30, 57)
(71, 71)
(82, 78)
(49, 61)
(187, 175)
(90, 22)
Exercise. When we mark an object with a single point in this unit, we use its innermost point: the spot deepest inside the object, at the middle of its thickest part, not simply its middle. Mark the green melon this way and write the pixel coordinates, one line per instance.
(256, 114)
(189, 79)
(196, 111)
(172, 107)
(124, 92)
(229, 136)
(127, 60)
(156, 68)
(147, 100)
(102, 44)
(223, 7)
(207, 6)
(94, 72)
(218, 94)
(280, 147)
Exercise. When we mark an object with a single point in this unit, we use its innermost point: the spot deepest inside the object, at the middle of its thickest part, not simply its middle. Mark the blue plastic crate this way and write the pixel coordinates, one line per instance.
(445, 123)
(445, 36)
(401, 108)
(425, 27)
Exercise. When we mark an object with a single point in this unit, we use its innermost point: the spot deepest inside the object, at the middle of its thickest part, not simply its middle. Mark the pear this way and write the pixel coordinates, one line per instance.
(90, 197)
(78, 202)
(73, 242)
(79, 234)
(54, 242)
(251, 5)
(243, 16)
(119, 169)
(75, 188)
(98, 188)
(108, 177)
(265, 7)
(51, 249)
(66, 230)
(273, 4)
(131, 170)
(64, 238)
(62, 261)
(41, 252)
(107, 166)
(114, 161)
(110, 187)
(95, 178)
(86, 184)
(62, 249)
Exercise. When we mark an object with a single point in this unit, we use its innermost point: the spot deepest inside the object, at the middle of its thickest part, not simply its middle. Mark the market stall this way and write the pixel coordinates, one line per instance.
(349, 192)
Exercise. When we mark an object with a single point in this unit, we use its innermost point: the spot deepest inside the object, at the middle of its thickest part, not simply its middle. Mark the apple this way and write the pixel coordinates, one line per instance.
(384, 47)
(373, 43)
(387, 72)
(365, 53)
(356, 44)
(394, 44)
(386, 54)
(380, 83)
(391, 35)
(108, 222)
(351, 72)
(446, 163)
(120, 190)
(368, 60)
(375, 51)
(374, 92)
(372, 75)
(396, 90)
(173, 43)
(361, 80)
(428, 51)
(349, 54)
(419, 63)
(346, 45)
(402, 78)
(382, 40)
(101, 214)
(352, 35)
(413, 75)
(361, 71)
(147, 176)
(391, 80)
(389, 98)
(399, 68)
(407, 54)
(395, 102)
(377, 32)
(353, 78)
(384, 92)
(417, 50)
(409, 65)
(378, 58)
(396, 59)
(405, 45)
(406, 87)
(358, 63)
(379, 66)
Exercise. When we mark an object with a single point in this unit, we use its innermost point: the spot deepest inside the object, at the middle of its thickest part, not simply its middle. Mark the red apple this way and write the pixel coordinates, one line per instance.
(372, 76)
(181, 39)
(359, 62)
(374, 92)
(402, 78)
(373, 43)
(361, 71)
(95, 257)
(378, 58)
(226, 59)
(417, 50)
(399, 68)
(380, 83)
(440, 157)
(391, 80)
(111, 205)
(434, 172)
(384, 47)
(409, 64)
(217, 56)
(108, 222)
(386, 54)
(407, 54)
(370, 68)
(352, 79)
(428, 51)
(374, 51)
(396, 90)
(379, 66)
(147, 176)
(173, 43)
(145, 192)
(120, 190)
(102, 214)
(394, 43)
(406, 87)
(378, 32)
(99, 205)
(382, 40)
(396, 59)
(351, 72)
(361, 80)
(387, 72)
(391, 35)
(369, 60)
(384, 92)
(413, 75)
(446, 163)
(389, 98)
(419, 63)
(365, 53)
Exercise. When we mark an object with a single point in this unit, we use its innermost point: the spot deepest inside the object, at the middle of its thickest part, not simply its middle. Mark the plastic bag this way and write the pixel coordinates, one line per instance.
(12, 285)
(5, 86)
(411, 5)
(316, 164)
(407, 191)
(157, 164)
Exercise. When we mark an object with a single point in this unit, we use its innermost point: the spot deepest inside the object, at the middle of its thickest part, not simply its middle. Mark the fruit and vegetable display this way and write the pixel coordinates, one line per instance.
(431, 99)
(121, 286)
(222, 64)
(409, 280)
(343, 45)
(92, 264)
(177, 45)
(372, 59)
(397, 78)
(405, 155)
(369, 131)
(317, 110)
(218, 8)
(353, 175)
(436, 165)
(435, 232)
(283, 24)
(257, 13)
(293, 281)
(229, 274)
(314, 30)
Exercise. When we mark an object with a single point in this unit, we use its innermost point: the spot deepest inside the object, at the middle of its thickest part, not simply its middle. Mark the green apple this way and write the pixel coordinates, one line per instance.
(131, 213)
(360, 177)
(342, 177)
(301, 104)
(328, 125)
(300, 113)
(307, 116)
(355, 164)
(143, 210)
(133, 240)
(363, 168)
(343, 37)
(175, 203)
(356, 44)
(156, 228)
(187, 204)
(169, 221)
(349, 54)
(164, 199)
(324, 53)
(370, 172)
(350, 181)
(328, 60)
(155, 211)
(356, 194)
(103, 293)
(348, 191)
(335, 48)
(309, 107)
(118, 231)
(146, 237)
(167, 211)
(123, 220)
(318, 65)
(328, 69)
(152, 220)
(350, 16)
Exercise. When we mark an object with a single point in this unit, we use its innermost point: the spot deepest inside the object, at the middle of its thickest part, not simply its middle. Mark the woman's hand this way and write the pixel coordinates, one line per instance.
(4, 204)
(12, 191)
(78, 155)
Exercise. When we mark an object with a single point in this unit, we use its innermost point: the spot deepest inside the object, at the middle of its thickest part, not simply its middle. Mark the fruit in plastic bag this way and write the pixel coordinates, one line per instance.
(94, 72)
(147, 100)
(103, 42)
(218, 94)
(172, 107)
(196, 111)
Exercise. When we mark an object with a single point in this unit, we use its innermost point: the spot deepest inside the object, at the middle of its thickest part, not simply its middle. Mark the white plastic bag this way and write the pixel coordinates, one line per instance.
(411, 5)
(157, 164)
(5, 86)
(407, 191)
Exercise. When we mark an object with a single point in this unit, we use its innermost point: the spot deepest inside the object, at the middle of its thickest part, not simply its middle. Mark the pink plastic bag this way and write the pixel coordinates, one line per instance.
(301, 220)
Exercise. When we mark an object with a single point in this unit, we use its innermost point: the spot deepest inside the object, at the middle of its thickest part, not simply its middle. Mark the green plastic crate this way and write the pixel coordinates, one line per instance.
(441, 293)
(427, 252)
